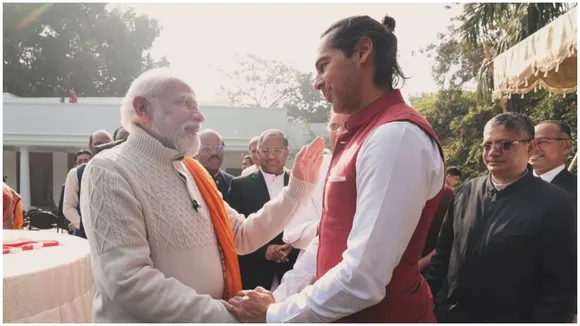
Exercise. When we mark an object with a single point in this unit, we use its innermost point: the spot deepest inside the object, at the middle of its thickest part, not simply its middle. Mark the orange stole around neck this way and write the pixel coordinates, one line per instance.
(221, 225)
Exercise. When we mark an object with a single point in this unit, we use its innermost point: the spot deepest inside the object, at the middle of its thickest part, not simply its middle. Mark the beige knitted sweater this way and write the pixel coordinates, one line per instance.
(155, 258)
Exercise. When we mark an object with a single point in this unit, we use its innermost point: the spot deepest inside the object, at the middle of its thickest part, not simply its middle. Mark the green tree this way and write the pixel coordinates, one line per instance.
(54, 46)
(259, 82)
(306, 104)
(461, 59)
(271, 83)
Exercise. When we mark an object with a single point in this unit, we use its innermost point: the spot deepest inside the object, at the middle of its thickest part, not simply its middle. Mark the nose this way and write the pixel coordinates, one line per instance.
(197, 115)
(318, 83)
(494, 151)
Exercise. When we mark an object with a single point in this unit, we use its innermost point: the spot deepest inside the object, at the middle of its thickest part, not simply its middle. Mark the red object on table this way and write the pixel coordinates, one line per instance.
(13, 247)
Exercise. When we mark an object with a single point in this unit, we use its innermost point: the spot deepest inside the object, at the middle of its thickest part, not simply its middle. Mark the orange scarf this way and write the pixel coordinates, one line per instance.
(221, 225)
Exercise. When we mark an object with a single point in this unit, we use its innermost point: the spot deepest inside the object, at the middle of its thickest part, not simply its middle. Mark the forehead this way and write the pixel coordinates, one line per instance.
(272, 140)
(499, 133)
(210, 138)
(325, 49)
(177, 88)
(83, 156)
(547, 130)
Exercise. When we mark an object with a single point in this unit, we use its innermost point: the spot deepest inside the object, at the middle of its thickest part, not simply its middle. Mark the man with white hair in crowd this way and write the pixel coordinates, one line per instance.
(253, 148)
(164, 243)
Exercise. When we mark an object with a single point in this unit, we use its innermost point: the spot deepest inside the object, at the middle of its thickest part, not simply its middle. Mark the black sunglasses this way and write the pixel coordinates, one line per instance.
(503, 145)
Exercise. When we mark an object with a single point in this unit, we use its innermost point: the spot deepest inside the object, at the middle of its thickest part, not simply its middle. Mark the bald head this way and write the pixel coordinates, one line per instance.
(99, 137)
(211, 154)
(210, 135)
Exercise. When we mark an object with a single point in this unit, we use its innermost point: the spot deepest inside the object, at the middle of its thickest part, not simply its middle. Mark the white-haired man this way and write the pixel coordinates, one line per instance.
(161, 237)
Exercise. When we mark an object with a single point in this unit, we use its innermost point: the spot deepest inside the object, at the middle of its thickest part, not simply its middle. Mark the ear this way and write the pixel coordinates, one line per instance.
(567, 146)
(363, 50)
(141, 108)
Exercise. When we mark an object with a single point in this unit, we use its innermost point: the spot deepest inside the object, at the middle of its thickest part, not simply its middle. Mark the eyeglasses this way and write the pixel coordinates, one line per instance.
(547, 140)
(502, 146)
(333, 126)
(276, 151)
(207, 149)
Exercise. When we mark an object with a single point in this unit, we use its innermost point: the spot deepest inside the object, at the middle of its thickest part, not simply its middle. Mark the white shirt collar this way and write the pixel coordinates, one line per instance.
(550, 175)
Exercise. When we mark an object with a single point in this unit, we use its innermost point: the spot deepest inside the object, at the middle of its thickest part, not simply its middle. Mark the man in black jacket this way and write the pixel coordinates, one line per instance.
(248, 194)
(507, 247)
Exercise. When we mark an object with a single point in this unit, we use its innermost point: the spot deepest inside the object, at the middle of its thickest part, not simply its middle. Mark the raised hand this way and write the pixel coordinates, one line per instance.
(307, 162)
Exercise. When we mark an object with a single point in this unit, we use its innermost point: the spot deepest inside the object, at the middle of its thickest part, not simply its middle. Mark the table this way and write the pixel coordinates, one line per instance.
(48, 285)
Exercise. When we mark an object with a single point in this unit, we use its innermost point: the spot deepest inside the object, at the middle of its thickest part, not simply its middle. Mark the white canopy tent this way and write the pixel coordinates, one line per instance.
(548, 59)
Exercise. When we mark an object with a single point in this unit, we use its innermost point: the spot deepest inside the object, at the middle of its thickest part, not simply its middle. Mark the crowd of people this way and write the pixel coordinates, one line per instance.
(374, 229)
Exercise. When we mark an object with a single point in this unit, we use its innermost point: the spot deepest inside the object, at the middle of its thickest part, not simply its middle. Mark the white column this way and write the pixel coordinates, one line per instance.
(59, 172)
(25, 178)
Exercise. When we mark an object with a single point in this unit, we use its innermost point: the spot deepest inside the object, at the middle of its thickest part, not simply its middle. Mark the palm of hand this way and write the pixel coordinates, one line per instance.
(308, 160)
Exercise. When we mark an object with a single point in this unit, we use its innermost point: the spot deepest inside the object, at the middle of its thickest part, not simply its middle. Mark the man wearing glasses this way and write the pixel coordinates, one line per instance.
(507, 247)
(211, 156)
(266, 266)
(553, 144)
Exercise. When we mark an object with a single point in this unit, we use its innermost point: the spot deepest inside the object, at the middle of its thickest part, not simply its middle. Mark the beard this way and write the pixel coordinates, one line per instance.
(182, 140)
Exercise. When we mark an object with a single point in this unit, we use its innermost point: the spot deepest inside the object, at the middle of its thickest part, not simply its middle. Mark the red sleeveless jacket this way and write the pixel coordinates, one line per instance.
(408, 298)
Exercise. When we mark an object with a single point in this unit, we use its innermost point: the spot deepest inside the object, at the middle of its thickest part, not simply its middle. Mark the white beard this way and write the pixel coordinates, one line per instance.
(179, 138)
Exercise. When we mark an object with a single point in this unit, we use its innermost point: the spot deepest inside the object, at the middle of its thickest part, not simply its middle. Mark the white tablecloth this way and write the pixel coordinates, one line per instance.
(48, 285)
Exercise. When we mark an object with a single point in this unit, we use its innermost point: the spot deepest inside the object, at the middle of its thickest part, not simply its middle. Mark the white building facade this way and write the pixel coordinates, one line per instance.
(41, 136)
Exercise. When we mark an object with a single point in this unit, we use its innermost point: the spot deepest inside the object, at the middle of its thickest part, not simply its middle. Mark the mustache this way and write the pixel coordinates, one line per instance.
(215, 156)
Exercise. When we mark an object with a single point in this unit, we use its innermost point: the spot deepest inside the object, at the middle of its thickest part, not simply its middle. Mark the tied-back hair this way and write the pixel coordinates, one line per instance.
(513, 122)
(347, 33)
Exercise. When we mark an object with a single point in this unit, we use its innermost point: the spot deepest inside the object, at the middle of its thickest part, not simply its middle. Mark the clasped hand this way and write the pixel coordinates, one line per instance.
(278, 253)
(250, 306)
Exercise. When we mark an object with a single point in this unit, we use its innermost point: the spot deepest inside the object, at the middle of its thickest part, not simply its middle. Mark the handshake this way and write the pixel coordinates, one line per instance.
(250, 306)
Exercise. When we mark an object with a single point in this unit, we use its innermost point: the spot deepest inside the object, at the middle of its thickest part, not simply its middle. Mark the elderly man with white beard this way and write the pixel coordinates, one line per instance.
(163, 241)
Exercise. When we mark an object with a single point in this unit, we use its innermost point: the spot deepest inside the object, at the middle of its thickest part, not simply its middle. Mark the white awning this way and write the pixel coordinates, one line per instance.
(548, 58)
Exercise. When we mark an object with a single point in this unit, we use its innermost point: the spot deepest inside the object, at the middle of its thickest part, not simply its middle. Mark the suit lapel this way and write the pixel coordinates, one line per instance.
(260, 187)
(560, 178)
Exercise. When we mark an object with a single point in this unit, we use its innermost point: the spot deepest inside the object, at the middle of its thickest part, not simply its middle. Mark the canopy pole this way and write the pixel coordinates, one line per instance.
(573, 163)
(503, 103)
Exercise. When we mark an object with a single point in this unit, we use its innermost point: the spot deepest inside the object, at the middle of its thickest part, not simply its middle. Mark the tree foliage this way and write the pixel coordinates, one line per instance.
(461, 57)
(54, 46)
(271, 83)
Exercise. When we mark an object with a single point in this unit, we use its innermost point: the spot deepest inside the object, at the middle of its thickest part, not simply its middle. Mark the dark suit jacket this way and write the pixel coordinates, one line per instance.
(566, 181)
(223, 181)
(247, 195)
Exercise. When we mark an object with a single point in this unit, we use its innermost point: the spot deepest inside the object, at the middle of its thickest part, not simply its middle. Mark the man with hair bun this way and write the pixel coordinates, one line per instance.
(382, 189)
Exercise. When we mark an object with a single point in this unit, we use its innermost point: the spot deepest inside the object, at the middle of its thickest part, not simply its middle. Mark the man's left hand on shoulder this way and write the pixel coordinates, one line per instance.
(250, 306)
